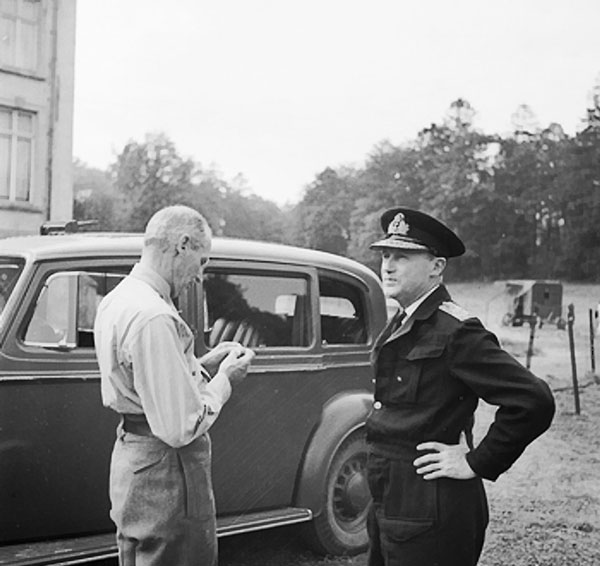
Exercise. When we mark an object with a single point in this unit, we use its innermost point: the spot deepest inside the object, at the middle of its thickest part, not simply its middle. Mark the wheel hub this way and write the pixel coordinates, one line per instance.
(358, 493)
(351, 492)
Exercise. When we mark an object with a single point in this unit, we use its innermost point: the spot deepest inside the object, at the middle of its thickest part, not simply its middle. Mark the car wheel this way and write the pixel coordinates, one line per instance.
(341, 528)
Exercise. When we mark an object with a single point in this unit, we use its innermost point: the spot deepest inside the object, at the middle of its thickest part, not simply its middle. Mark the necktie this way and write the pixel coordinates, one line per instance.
(399, 319)
(394, 324)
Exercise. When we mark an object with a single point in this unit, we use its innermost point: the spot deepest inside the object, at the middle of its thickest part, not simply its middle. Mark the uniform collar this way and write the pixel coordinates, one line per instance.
(152, 278)
(424, 310)
(412, 308)
(431, 303)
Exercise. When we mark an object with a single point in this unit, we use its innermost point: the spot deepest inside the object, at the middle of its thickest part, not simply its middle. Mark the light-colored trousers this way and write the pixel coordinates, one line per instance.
(162, 502)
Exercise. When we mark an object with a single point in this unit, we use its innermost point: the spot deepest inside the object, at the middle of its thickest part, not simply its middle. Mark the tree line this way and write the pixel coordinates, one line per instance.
(527, 204)
(150, 174)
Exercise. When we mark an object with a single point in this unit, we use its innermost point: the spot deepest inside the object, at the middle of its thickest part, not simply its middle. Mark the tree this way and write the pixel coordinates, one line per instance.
(525, 123)
(581, 207)
(323, 215)
(148, 176)
(390, 178)
(94, 197)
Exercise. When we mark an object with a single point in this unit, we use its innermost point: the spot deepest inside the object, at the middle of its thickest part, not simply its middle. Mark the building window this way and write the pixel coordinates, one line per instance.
(19, 34)
(16, 154)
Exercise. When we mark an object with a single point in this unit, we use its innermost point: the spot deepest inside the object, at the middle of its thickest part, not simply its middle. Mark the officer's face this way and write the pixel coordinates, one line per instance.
(406, 275)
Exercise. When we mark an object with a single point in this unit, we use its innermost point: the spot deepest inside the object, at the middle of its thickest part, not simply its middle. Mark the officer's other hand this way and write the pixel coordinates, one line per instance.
(444, 460)
(236, 364)
(212, 359)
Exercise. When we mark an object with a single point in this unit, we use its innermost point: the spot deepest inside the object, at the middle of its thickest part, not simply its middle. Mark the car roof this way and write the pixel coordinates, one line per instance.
(120, 244)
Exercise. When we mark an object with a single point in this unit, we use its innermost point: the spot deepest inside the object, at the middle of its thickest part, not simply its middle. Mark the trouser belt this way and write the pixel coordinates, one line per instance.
(136, 424)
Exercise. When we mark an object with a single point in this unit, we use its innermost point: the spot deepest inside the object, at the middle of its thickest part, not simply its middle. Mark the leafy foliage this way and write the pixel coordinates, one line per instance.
(151, 174)
(94, 196)
(527, 205)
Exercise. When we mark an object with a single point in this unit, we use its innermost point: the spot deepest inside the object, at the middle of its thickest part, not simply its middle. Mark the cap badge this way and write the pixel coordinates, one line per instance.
(398, 226)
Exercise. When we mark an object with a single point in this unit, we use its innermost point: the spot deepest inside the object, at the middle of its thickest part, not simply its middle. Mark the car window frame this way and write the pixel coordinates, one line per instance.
(279, 269)
(38, 356)
(366, 305)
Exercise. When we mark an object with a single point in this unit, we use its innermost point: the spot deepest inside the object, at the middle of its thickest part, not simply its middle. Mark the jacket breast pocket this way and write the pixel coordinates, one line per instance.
(405, 383)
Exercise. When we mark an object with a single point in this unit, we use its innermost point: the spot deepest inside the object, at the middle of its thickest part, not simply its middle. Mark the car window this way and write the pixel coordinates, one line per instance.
(342, 312)
(65, 308)
(10, 269)
(257, 310)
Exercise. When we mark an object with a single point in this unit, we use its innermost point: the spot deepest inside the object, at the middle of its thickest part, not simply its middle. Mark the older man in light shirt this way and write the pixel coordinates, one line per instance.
(160, 486)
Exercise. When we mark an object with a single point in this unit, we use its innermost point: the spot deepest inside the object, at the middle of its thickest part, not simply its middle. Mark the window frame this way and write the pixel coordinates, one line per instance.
(259, 269)
(43, 359)
(14, 136)
(363, 291)
(19, 19)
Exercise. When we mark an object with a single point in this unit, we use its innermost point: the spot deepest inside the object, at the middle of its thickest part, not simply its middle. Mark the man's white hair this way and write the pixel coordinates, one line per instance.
(168, 224)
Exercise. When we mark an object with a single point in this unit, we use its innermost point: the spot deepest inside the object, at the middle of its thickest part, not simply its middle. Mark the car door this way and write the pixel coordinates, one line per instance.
(259, 438)
(55, 435)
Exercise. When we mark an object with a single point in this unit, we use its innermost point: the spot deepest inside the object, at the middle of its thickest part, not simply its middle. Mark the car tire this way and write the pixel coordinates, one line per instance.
(341, 527)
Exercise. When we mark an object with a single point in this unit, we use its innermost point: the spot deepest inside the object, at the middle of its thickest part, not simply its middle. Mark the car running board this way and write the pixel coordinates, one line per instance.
(91, 549)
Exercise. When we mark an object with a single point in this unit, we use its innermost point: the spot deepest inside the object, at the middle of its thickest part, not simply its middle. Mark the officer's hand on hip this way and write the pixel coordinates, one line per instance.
(236, 364)
(444, 461)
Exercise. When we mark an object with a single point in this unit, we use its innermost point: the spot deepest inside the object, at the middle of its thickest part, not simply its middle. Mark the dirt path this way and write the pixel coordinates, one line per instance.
(546, 509)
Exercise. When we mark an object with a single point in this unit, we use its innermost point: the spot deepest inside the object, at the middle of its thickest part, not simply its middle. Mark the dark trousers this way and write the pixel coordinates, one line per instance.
(162, 502)
(417, 522)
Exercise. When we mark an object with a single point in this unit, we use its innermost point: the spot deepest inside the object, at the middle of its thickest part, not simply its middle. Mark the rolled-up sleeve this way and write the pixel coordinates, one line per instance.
(177, 400)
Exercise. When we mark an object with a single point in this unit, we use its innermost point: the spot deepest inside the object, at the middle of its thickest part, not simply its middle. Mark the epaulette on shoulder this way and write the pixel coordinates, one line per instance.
(455, 311)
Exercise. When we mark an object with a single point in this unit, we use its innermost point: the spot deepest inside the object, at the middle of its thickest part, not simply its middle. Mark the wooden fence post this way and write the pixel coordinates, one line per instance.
(592, 350)
(570, 320)
(532, 323)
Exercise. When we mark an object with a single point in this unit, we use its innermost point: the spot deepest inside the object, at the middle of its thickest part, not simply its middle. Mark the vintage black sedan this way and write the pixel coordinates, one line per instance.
(289, 446)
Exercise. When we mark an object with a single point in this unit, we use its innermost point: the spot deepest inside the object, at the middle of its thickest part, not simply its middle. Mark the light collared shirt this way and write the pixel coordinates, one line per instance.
(145, 351)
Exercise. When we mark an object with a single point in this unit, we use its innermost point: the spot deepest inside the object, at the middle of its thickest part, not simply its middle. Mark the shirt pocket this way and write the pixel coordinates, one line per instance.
(404, 385)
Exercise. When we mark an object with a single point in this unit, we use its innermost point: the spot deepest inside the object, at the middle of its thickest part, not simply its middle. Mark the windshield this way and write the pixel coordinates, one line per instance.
(10, 269)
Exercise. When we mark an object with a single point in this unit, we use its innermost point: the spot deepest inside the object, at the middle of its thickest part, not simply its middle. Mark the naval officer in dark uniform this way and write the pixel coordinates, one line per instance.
(433, 362)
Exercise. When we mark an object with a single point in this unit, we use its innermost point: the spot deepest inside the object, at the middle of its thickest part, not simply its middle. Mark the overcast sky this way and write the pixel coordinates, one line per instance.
(280, 89)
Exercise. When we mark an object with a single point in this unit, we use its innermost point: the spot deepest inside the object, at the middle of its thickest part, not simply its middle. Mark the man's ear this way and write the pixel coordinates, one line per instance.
(183, 242)
(439, 264)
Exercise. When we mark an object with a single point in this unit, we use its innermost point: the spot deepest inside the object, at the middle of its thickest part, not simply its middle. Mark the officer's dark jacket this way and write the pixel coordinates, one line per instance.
(430, 376)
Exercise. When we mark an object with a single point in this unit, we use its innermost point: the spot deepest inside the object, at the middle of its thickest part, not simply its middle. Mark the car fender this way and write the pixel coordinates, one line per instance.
(342, 416)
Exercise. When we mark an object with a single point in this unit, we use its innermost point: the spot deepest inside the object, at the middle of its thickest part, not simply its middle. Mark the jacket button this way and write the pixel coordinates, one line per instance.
(377, 405)
(399, 378)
